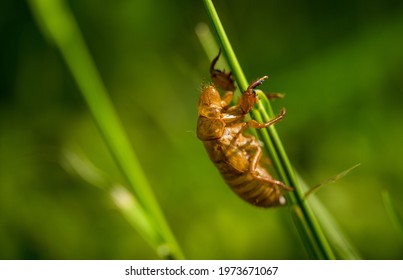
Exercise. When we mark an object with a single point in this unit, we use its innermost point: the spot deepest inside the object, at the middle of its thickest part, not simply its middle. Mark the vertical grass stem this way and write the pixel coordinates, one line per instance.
(308, 227)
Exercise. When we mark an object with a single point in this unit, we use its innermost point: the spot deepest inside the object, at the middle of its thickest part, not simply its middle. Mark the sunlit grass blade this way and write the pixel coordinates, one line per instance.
(126, 203)
(83, 168)
(207, 41)
(134, 213)
(59, 25)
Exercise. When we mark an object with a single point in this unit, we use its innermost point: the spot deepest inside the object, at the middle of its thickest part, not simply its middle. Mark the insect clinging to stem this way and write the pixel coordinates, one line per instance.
(237, 156)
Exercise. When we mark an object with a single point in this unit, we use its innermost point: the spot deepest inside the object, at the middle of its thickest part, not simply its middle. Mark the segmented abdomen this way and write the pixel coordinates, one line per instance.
(252, 187)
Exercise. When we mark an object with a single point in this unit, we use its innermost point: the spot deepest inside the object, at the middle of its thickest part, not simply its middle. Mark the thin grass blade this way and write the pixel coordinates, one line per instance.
(329, 181)
(59, 25)
(307, 225)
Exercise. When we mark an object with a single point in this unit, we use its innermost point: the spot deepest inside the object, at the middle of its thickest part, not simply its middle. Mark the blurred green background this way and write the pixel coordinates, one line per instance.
(340, 64)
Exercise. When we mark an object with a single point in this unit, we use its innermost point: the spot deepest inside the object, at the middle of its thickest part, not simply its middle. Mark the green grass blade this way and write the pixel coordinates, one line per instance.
(80, 166)
(226, 46)
(306, 223)
(338, 240)
(60, 26)
(208, 42)
(134, 213)
(329, 181)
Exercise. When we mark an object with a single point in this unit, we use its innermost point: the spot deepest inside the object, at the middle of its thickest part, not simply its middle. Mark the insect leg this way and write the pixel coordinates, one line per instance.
(255, 124)
(214, 62)
(227, 98)
(254, 164)
(257, 83)
(220, 78)
(274, 95)
(256, 157)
